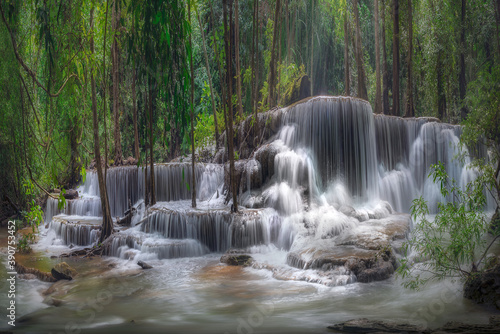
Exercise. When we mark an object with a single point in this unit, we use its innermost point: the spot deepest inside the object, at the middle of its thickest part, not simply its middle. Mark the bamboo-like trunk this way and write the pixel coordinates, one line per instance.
(395, 59)
(237, 58)
(107, 222)
(378, 93)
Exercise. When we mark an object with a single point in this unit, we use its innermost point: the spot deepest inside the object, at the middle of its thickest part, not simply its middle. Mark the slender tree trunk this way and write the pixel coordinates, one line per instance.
(229, 123)
(151, 143)
(191, 107)
(237, 56)
(395, 60)
(291, 38)
(107, 223)
(115, 52)
(362, 92)
(347, 73)
(255, 31)
(212, 97)
(378, 93)
(385, 69)
(496, 4)
(136, 129)
(219, 67)
(440, 87)
(462, 82)
(104, 114)
(272, 64)
(257, 62)
(410, 109)
(312, 46)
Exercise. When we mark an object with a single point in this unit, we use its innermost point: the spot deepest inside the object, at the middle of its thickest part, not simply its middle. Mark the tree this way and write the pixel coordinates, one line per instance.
(312, 46)
(107, 222)
(410, 110)
(385, 69)
(115, 56)
(237, 56)
(362, 92)
(347, 33)
(395, 59)
(229, 122)
(378, 93)
(191, 107)
(272, 63)
(461, 79)
(212, 93)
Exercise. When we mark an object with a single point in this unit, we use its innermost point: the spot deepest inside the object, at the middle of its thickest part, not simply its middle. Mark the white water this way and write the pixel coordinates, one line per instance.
(339, 173)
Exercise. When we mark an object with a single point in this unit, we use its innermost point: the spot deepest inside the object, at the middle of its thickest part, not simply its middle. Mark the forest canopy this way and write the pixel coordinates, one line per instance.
(155, 80)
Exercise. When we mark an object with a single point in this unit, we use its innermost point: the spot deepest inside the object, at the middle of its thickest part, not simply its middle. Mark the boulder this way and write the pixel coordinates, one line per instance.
(71, 194)
(237, 260)
(63, 271)
(301, 89)
(144, 265)
(484, 287)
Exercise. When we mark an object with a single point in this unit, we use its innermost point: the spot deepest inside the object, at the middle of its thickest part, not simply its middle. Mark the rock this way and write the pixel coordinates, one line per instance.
(495, 222)
(41, 275)
(144, 265)
(130, 161)
(484, 287)
(233, 257)
(301, 89)
(63, 271)
(375, 326)
(71, 194)
(265, 157)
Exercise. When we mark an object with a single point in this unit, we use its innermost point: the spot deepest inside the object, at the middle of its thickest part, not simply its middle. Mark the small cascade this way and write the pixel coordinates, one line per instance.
(87, 206)
(77, 231)
(130, 243)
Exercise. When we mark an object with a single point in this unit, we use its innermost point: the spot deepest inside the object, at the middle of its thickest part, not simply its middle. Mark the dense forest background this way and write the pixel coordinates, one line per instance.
(144, 74)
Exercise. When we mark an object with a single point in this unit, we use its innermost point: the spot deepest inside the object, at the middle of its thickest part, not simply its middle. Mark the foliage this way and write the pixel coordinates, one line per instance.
(452, 244)
(204, 131)
(23, 243)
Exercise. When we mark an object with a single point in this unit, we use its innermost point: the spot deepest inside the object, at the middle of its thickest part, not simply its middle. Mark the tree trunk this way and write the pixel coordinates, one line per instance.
(115, 52)
(410, 111)
(136, 128)
(347, 73)
(395, 60)
(229, 123)
(151, 144)
(237, 54)
(107, 223)
(191, 105)
(212, 97)
(462, 82)
(255, 31)
(219, 67)
(362, 92)
(256, 101)
(312, 46)
(385, 69)
(440, 87)
(378, 93)
(272, 64)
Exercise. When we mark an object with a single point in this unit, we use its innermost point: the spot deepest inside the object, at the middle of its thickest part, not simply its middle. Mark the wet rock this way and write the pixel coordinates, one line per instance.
(144, 265)
(495, 222)
(300, 90)
(27, 276)
(265, 157)
(237, 259)
(71, 194)
(484, 287)
(41, 275)
(63, 271)
(375, 326)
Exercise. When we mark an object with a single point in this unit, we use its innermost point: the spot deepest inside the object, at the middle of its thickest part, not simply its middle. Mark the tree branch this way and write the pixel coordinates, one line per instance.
(23, 64)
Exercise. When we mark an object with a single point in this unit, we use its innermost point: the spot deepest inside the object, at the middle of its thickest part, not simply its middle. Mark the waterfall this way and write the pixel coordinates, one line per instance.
(330, 188)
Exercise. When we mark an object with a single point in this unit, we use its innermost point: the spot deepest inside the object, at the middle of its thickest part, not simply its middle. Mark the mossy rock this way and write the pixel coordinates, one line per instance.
(63, 271)
(300, 89)
(237, 260)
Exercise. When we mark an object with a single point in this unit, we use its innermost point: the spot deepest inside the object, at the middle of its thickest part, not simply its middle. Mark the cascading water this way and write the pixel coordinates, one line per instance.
(325, 190)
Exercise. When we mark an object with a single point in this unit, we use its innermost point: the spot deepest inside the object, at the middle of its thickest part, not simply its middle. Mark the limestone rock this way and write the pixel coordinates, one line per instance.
(63, 271)
(236, 260)
(484, 288)
(71, 194)
(301, 89)
(144, 265)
